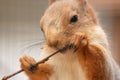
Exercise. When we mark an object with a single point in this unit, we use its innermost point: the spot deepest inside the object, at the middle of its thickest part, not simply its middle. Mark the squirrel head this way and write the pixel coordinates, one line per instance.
(64, 18)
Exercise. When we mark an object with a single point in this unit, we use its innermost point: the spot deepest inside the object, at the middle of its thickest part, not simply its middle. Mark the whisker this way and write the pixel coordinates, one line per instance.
(31, 45)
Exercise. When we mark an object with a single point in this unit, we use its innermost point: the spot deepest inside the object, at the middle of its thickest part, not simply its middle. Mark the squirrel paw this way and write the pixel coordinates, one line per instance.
(79, 40)
(27, 63)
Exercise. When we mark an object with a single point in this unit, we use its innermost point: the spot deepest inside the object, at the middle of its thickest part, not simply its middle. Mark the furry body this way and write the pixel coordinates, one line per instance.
(90, 59)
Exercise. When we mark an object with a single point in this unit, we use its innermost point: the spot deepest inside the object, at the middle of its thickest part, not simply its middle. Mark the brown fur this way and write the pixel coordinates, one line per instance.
(91, 57)
(93, 62)
(51, 1)
(43, 70)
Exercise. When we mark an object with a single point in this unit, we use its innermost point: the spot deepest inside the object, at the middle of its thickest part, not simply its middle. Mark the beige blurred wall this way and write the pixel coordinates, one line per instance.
(22, 10)
(19, 28)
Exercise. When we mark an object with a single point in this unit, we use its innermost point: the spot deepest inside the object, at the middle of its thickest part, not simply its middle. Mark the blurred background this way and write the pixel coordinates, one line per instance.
(19, 28)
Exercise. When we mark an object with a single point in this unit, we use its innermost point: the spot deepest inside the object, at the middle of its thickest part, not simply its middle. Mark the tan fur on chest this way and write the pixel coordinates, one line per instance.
(66, 67)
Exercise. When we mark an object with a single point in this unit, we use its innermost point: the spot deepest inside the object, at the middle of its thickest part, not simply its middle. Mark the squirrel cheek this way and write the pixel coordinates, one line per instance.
(51, 36)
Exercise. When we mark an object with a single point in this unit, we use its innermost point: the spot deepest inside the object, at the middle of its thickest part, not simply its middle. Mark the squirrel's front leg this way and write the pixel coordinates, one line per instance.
(91, 57)
(40, 72)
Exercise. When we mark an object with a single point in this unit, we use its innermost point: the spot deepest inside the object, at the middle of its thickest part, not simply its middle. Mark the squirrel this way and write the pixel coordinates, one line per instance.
(89, 58)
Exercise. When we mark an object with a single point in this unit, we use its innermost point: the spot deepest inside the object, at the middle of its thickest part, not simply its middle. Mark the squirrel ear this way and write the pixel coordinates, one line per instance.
(51, 1)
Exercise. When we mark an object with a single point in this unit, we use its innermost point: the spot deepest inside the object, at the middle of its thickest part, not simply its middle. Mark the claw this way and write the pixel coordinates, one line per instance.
(33, 68)
(72, 46)
(78, 41)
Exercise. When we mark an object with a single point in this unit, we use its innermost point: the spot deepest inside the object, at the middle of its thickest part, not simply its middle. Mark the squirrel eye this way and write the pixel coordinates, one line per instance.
(74, 19)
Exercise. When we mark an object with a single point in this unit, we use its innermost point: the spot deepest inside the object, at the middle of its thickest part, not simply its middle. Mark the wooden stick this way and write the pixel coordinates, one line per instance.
(11, 75)
(42, 61)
